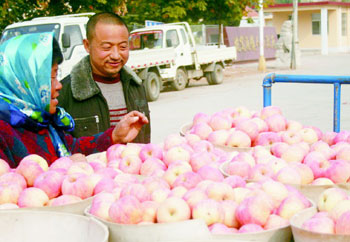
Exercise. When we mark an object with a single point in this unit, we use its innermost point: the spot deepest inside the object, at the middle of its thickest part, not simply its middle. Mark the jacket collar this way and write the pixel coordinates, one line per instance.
(84, 86)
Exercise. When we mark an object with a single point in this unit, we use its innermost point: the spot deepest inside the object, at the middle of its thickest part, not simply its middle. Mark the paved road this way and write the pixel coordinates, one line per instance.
(311, 104)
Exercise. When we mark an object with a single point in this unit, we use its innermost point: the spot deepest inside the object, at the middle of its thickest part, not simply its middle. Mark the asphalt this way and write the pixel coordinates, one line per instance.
(311, 104)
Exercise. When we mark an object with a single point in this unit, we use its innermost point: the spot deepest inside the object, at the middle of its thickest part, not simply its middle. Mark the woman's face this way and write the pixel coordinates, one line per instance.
(56, 86)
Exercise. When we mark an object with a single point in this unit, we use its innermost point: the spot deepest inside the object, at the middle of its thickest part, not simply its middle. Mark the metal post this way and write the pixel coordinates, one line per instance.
(293, 64)
(267, 84)
(336, 108)
(262, 62)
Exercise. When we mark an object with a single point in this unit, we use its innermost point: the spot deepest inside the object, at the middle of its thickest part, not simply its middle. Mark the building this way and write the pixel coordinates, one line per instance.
(322, 25)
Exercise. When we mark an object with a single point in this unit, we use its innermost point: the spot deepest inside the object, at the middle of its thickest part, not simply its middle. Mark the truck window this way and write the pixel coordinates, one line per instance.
(76, 38)
(149, 39)
(172, 39)
(12, 32)
(184, 36)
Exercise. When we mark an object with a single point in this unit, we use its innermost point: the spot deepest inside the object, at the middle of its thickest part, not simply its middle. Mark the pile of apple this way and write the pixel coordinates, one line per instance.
(227, 205)
(333, 214)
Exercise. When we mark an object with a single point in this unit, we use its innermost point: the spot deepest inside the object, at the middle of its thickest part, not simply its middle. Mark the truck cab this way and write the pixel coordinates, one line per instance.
(69, 30)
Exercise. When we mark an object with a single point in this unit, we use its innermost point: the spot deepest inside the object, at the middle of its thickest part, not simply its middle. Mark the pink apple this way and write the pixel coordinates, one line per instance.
(322, 181)
(78, 185)
(341, 207)
(262, 126)
(153, 183)
(288, 175)
(338, 171)
(150, 165)
(250, 228)
(31, 167)
(174, 170)
(308, 135)
(149, 209)
(137, 190)
(317, 162)
(178, 191)
(249, 127)
(238, 139)
(208, 210)
(235, 181)
(218, 121)
(260, 172)
(307, 176)
(126, 210)
(277, 164)
(294, 126)
(293, 153)
(106, 184)
(218, 137)
(276, 123)
(109, 172)
(276, 190)
(246, 157)
(229, 207)
(329, 137)
(124, 179)
(202, 130)
(323, 148)
(100, 205)
(13, 178)
(254, 210)
(203, 145)
(241, 193)
(4, 167)
(130, 164)
(290, 137)
(160, 194)
(202, 158)
(64, 200)
(342, 224)
(200, 118)
(220, 228)
(220, 191)
(267, 138)
(238, 168)
(50, 182)
(291, 205)
(114, 152)
(274, 222)
(192, 138)
(176, 153)
(173, 209)
(80, 167)
(9, 192)
(343, 154)
(193, 196)
(32, 197)
(319, 225)
(341, 136)
(329, 198)
(269, 111)
(131, 149)
(151, 150)
(210, 173)
(188, 180)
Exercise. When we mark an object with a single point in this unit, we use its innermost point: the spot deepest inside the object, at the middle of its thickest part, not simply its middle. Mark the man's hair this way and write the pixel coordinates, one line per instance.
(57, 56)
(104, 17)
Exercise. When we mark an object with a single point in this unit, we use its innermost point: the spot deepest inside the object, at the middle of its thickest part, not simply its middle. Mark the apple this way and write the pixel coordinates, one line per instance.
(267, 138)
(220, 228)
(114, 152)
(218, 137)
(250, 228)
(328, 137)
(262, 126)
(124, 179)
(292, 204)
(174, 170)
(153, 183)
(80, 167)
(254, 209)
(229, 207)
(323, 148)
(276, 190)
(101, 203)
(246, 157)
(151, 165)
(275, 221)
(50, 182)
(238, 139)
(277, 164)
(4, 167)
(106, 184)
(241, 111)
(188, 180)
(149, 209)
(249, 127)
(78, 185)
(288, 175)
(319, 225)
(218, 121)
(64, 200)
(202, 130)
(308, 135)
(340, 208)
(329, 198)
(338, 171)
(178, 191)
(220, 191)
(293, 153)
(130, 164)
(341, 136)
(173, 209)
(235, 181)
(294, 126)
(108, 172)
(276, 123)
(261, 172)
(210, 173)
(30, 167)
(191, 139)
(342, 224)
(160, 194)
(137, 190)
(151, 151)
(32, 197)
(240, 193)
(278, 148)
(202, 158)
(208, 210)
(126, 210)
(317, 162)
(176, 153)
(322, 181)
(200, 118)
(343, 154)
(13, 178)
(193, 196)
(269, 111)
(307, 176)
(238, 168)
(9, 192)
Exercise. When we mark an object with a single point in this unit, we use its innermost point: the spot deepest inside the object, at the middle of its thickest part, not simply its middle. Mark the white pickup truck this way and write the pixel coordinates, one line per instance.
(160, 55)
(167, 54)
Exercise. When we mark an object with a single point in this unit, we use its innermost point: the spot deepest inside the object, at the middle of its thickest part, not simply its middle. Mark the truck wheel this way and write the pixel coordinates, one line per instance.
(217, 76)
(180, 81)
(152, 86)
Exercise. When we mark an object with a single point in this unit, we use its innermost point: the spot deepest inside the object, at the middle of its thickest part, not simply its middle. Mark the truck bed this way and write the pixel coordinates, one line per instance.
(208, 54)
(150, 57)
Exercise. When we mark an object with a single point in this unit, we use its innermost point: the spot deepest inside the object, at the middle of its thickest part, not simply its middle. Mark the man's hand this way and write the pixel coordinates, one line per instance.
(128, 127)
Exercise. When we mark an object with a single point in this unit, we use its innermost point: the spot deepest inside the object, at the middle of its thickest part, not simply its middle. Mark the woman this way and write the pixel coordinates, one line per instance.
(30, 120)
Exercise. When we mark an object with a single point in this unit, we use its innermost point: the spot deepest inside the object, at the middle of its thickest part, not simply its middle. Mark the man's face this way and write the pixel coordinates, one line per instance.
(108, 49)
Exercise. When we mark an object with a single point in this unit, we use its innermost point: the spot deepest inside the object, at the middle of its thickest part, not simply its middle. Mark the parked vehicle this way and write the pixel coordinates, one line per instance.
(167, 54)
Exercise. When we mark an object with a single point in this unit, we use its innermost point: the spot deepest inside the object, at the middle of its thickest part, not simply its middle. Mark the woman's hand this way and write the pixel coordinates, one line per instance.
(128, 127)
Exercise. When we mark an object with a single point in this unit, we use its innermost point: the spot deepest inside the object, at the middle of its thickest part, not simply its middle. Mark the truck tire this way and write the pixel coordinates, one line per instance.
(180, 81)
(217, 76)
(152, 86)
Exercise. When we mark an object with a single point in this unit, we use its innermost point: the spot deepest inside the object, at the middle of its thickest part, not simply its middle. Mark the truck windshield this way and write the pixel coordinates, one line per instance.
(147, 39)
(12, 32)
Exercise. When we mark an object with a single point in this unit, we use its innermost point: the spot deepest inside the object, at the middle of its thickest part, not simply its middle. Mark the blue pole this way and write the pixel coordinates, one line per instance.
(267, 84)
(336, 108)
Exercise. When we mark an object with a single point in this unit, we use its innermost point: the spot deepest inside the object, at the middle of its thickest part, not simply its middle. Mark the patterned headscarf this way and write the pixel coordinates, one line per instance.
(25, 87)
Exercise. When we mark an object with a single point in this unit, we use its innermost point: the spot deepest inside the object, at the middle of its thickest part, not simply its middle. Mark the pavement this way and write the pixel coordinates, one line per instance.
(311, 104)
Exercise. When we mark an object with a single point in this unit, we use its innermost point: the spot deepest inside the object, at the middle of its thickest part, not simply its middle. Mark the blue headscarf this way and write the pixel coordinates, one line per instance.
(25, 87)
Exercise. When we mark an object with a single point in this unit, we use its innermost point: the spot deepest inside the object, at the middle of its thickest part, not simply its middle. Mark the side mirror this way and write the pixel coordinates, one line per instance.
(65, 40)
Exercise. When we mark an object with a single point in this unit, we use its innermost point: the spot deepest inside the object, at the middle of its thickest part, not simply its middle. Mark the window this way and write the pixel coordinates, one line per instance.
(344, 25)
(76, 38)
(172, 39)
(184, 37)
(316, 23)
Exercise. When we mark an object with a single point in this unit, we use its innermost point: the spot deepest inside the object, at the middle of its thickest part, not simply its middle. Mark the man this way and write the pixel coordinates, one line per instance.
(100, 89)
